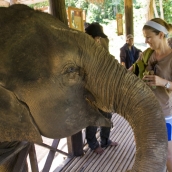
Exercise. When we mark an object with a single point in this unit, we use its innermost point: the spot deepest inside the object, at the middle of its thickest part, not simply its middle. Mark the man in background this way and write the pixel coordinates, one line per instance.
(129, 53)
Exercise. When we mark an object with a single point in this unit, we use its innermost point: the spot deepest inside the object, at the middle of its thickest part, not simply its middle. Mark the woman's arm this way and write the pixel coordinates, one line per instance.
(154, 80)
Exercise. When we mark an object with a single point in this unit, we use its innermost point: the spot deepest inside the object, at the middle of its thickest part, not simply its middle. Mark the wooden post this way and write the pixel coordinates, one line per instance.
(161, 9)
(128, 17)
(51, 155)
(58, 10)
(33, 159)
(75, 144)
(21, 164)
(119, 24)
(150, 13)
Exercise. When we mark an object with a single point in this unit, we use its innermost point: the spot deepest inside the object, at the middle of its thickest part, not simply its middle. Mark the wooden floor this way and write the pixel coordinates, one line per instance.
(117, 159)
(114, 159)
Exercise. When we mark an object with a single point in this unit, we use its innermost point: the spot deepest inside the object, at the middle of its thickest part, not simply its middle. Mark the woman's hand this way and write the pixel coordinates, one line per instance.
(154, 80)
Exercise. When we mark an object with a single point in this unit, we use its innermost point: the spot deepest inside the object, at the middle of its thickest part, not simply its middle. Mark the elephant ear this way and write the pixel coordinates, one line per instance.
(16, 122)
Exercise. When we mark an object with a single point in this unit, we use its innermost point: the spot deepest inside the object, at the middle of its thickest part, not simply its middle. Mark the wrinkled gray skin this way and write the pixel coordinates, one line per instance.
(53, 79)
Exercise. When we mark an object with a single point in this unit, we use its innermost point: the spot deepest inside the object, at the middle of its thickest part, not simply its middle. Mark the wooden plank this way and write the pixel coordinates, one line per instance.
(75, 144)
(112, 161)
(61, 166)
(33, 159)
(126, 144)
(120, 165)
(53, 148)
(105, 158)
(6, 156)
(21, 159)
(88, 157)
(41, 151)
(130, 159)
(116, 159)
(51, 155)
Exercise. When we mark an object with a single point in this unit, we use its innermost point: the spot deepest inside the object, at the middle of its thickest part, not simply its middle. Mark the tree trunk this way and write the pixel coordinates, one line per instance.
(155, 9)
(161, 9)
(150, 11)
(58, 10)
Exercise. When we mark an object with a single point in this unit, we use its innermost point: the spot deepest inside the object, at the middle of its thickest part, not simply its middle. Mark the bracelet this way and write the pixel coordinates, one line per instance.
(167, 85)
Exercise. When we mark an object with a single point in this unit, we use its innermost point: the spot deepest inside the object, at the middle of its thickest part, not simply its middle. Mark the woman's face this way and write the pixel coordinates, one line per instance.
(152, 39)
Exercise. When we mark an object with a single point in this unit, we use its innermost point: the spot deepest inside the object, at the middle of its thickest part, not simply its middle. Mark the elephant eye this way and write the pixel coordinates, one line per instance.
(70, 69)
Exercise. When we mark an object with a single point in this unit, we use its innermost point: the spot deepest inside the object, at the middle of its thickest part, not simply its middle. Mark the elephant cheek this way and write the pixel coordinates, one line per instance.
(68, 120)
(86, 116)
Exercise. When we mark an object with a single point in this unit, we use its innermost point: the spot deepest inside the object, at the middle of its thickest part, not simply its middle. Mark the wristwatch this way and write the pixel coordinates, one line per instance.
(167, 85)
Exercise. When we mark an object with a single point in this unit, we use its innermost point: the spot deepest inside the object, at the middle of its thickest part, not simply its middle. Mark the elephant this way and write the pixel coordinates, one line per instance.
(53, 80)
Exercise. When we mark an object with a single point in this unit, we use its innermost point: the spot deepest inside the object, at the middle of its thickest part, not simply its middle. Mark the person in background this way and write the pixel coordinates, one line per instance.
(129, 53)
(95, 30)
(159, 61)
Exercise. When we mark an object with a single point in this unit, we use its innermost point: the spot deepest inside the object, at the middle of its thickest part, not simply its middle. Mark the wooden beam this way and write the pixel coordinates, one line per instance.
(51, 155)
(128, 16)
(20, 165)
(58, 10)
(75, 144)
(33, 158)
(161, 8)
(53, 148)
(150, 10)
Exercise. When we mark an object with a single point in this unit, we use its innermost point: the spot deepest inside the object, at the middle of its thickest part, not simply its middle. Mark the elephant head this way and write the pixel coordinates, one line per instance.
(53, 79)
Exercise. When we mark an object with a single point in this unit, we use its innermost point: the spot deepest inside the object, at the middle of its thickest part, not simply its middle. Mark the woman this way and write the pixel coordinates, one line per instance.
(159, 75)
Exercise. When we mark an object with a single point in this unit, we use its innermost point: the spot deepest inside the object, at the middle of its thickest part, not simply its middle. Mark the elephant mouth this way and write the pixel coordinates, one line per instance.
(90, 99)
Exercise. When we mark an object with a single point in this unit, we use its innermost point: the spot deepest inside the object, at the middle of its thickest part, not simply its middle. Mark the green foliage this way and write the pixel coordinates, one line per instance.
(167, 8)
(137, 4)
(99, 12)
(39, 5)
(167, 5)
(107, 11)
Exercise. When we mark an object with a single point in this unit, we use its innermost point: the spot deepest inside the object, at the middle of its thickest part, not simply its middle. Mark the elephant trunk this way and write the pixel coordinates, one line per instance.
(118, 90)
